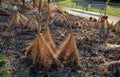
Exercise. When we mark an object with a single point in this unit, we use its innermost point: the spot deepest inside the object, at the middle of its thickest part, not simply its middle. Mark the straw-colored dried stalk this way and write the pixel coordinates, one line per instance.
(46, 34)
(23, 19)
(111, 46)
(62, 34)
(40, 6)
(56, 9)
(107, 23)
(117, 26)
(68, 51)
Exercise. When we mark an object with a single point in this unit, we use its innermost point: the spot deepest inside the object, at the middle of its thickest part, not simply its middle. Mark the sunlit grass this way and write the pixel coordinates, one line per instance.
(113, 9)
(4, 68)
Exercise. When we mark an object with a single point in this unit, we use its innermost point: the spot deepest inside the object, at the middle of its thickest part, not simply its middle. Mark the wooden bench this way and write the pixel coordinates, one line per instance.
(101, 7)
(83, 4)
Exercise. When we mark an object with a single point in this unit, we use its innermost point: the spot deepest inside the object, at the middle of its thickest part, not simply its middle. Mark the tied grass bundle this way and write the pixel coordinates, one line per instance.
(68, 51)
(15, 18)
(41, 50)
(40, 53)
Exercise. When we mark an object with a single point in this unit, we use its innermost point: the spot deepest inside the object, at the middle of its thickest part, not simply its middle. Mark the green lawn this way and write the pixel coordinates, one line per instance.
(4, 68)
(113, 9)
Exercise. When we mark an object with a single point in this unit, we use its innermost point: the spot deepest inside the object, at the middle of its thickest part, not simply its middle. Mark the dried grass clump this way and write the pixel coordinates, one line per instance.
(68, 51)
(15, 18)
(40, 53)
(18, 18)
(41, 50)
(30, 23)
(117, 27)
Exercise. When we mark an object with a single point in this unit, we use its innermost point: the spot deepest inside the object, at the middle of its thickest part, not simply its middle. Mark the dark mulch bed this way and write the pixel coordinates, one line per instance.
(14, 39)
